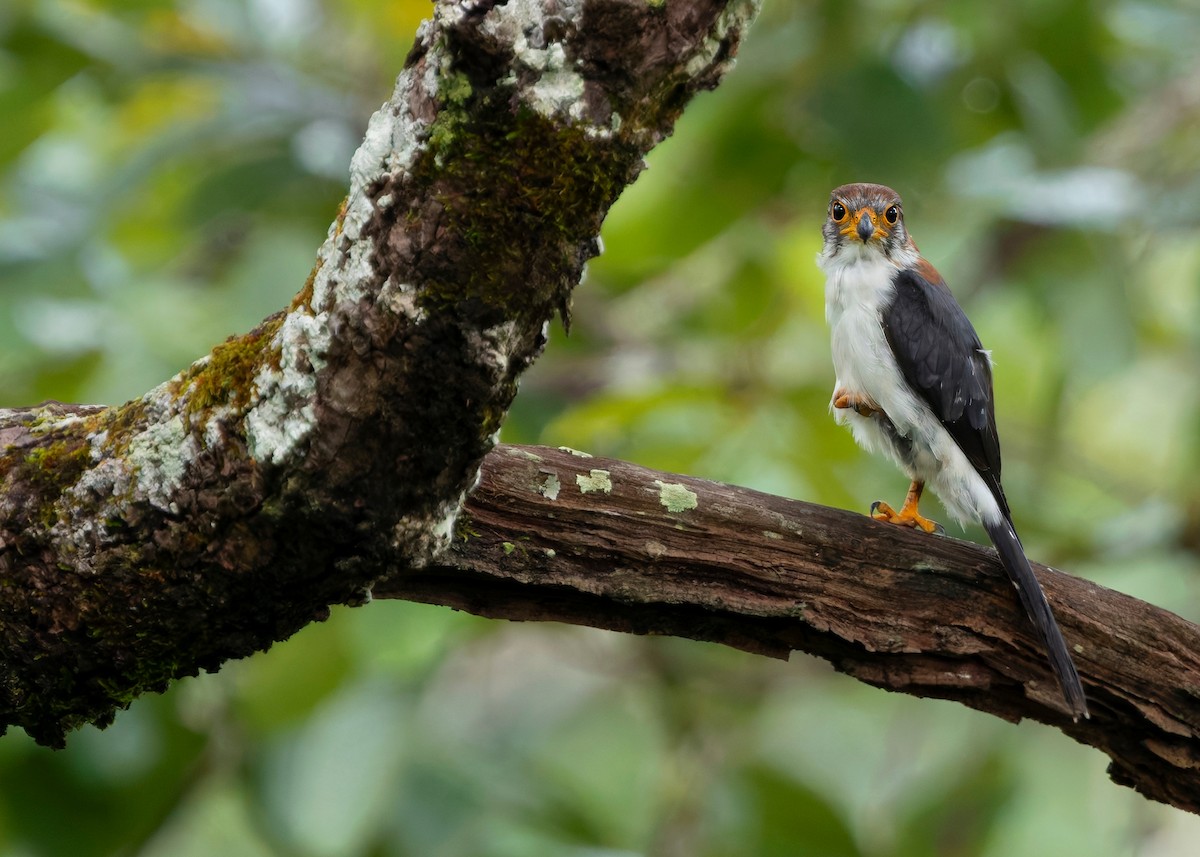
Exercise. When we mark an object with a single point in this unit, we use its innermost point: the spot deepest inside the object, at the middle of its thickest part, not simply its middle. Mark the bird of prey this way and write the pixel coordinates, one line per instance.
(914, 382)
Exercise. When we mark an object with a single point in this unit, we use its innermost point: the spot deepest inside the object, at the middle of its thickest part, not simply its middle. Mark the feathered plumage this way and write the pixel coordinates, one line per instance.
(914, 382)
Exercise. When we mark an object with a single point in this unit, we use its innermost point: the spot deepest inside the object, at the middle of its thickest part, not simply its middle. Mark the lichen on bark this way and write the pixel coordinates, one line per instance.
(299, 462)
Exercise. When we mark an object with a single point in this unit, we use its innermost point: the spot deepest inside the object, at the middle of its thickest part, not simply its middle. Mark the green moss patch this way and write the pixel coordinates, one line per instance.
(226, 378)
(521, 197)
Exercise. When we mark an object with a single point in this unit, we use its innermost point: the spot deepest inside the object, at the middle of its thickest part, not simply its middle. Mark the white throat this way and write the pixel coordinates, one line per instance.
(859, 276)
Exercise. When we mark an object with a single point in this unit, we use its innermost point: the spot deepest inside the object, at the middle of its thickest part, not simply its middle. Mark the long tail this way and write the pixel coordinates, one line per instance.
(1012, 555)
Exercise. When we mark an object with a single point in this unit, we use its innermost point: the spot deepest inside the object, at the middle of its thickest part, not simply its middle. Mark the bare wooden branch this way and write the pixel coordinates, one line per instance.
(291, 467)
(554, 536)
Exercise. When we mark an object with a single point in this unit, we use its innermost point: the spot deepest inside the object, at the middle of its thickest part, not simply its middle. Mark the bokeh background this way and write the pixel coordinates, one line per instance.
(167, 172)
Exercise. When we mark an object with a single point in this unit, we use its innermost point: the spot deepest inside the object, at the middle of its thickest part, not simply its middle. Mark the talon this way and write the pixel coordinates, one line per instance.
(864, 405)
(908, 516)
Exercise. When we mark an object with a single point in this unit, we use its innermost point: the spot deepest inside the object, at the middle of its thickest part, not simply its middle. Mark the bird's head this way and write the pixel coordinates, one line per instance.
(865, 220)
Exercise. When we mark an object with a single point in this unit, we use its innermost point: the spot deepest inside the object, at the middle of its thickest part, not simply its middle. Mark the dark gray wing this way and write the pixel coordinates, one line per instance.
(941, 358)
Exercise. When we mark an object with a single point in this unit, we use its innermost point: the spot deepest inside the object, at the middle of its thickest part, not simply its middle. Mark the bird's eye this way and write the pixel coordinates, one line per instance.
(838, 211)
(892, 215)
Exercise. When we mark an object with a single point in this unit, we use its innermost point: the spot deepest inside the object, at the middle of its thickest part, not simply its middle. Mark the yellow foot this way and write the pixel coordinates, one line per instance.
(881, 511)
(908, 516)
(862, 403)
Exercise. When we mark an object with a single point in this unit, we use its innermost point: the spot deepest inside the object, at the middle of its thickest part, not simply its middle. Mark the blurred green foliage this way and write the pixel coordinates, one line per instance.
(167, 171)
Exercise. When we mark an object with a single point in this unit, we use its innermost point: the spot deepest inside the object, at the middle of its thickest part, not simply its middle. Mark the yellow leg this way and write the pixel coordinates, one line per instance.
(908, 516)
(862, 403)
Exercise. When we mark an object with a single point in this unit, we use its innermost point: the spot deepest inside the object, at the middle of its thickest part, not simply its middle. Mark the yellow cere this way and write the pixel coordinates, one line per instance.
(881, 227)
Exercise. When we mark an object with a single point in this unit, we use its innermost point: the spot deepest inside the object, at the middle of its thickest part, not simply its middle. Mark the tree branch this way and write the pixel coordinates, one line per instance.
(551, 535)
(294, 465)
(297, 464)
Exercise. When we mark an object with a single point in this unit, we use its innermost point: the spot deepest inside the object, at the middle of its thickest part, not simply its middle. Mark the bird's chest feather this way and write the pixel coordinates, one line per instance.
(856, 295)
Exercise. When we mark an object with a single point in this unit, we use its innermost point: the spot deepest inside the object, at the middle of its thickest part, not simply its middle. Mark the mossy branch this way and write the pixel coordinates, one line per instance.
(296, 464)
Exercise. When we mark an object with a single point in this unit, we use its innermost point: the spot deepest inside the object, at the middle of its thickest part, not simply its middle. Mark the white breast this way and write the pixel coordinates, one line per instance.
(858, 287)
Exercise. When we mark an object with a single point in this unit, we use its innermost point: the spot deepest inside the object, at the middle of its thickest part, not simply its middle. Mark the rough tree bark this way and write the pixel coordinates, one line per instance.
(555, 535)
(297, 465)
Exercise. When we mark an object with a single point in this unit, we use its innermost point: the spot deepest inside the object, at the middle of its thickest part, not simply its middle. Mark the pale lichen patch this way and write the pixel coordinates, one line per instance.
(419, 538)
(495, 346)
(675, 497)
(281, 416)
(444, 520)
(575, 452)
(559, 90)
(597, 480)
(108, 477)
(736, 16)
(401, 299)
(214, 429)
(55, 424)
(394, 140)
(160, 457)
(518, 452)
(553, 83)
(771, 534)
(550, 487)
(103, 489)
(926, 565)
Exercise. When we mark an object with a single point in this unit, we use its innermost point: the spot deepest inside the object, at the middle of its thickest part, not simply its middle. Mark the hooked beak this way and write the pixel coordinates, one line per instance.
(865, 227)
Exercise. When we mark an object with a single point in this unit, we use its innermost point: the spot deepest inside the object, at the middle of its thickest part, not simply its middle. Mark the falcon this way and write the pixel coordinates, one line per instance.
(914, 382)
